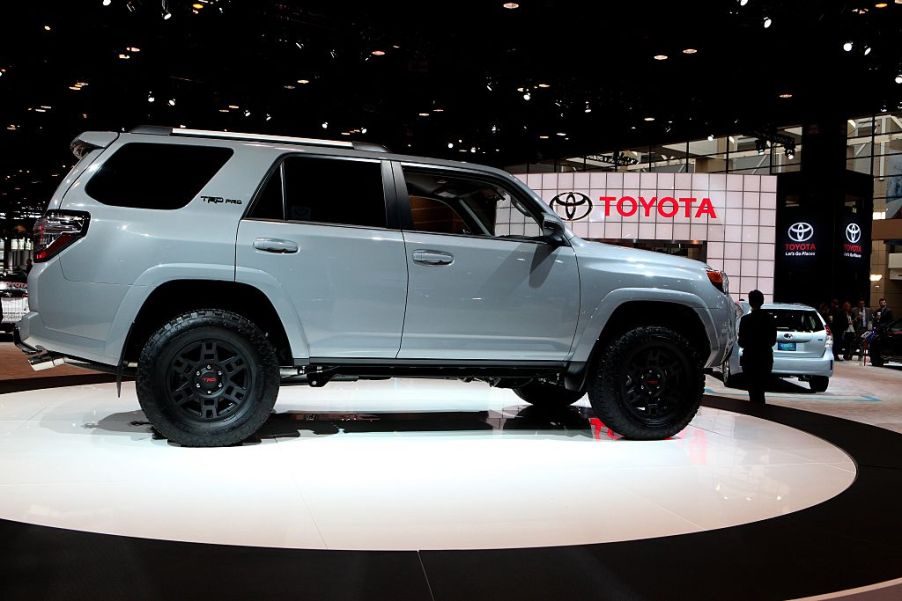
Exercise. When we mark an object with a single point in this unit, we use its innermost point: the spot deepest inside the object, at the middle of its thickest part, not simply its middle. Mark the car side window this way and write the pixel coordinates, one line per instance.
(326, 190)
(452, 204)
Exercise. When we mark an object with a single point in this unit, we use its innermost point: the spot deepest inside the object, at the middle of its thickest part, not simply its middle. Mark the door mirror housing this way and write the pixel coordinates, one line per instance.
(552, 230)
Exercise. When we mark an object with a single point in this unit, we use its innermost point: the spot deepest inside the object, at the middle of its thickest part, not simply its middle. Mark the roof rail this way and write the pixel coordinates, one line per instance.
(232, 135)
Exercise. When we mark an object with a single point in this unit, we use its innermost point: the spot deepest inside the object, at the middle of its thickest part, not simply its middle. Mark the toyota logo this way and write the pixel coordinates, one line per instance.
(853, 233)
(572, 202)
(800, 232)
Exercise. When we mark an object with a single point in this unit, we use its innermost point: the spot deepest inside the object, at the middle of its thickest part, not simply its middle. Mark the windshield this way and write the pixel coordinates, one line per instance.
(794, 320)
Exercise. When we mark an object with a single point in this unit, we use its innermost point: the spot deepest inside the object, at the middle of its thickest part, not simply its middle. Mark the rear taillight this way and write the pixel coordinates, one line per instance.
(57, 230)
(720, 280)
(829, 336)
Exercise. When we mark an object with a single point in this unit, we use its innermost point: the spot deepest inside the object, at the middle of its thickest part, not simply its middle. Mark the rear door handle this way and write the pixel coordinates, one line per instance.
(275, 245)
(432, 257)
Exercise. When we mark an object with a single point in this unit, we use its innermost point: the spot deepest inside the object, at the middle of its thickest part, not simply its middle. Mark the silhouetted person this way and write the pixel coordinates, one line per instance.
(884, 314)
(757, 336)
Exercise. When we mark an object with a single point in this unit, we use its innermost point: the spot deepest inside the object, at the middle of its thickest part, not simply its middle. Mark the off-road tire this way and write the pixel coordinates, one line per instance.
(248, 379)
(818, 383)
(547, 396)
(674, 372)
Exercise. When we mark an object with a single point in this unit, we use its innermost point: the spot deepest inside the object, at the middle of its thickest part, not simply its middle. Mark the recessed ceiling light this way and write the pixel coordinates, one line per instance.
(543, 137)
(867, 50)
(124, 56)
(288, 86)
(325, 125)
(880, 5)
(511, 5)
(860, 11)
(898, 78)
(438, 110)
(544, 85)
(786, 95)
(710, 137)
(378, 52)
(690, 50)
(767, 22)
(233, 106)
(423, 114)
(661, 57)
(303, 81)
(649, 119)
(76, 88)
(197, 6)
(527, 96)
(171, 102)
(847, 46)
(561, 134)
(133, 49)
(46, 27)
(223, 110)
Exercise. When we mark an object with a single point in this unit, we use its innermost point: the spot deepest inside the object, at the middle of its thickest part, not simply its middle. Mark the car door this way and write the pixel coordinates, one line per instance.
(318, 236)
(484, 283)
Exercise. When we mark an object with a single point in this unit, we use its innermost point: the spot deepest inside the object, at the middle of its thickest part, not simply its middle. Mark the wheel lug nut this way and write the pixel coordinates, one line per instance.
(197, 373)
(197, 385)
(220, 385)
(219, 373)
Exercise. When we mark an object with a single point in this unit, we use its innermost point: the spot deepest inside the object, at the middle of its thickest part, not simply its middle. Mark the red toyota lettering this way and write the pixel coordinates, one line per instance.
(648, 206)
(623, 201)
(673, 205)
(607, 204)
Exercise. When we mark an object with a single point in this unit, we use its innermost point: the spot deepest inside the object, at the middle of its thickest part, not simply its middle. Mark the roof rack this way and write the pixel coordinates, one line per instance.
(157, 130)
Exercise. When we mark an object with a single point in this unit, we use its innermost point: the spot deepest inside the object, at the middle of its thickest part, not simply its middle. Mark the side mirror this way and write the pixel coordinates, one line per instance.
(552, 230)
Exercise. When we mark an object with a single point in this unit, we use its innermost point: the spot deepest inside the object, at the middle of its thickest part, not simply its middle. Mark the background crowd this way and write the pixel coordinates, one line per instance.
(853, 327)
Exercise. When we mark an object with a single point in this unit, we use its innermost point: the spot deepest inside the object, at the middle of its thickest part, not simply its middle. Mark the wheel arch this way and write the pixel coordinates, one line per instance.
(681, 317)
(175, 297)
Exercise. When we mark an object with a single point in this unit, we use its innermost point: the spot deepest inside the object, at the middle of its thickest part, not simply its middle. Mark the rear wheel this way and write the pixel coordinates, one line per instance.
(730, 380)
(208, 378)
(648, 384)
(547, 396)
(818, 383)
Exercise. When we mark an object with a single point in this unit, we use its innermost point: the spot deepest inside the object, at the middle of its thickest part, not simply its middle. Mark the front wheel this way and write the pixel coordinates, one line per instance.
(818, 383)
(207, 378)
(648, 384)
(547, 396)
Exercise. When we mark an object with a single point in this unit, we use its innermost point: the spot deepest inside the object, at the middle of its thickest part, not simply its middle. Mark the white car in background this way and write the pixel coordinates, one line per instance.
(13, 299)
(804, 347)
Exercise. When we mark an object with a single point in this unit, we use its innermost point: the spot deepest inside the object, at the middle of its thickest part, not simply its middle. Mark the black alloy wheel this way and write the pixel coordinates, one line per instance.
(208, 378)
(647, 384)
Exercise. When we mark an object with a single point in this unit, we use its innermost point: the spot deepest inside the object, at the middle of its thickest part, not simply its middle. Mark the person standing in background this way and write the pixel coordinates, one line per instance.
(757, 336)
(838, 327)
(884, 314)
(848, 335)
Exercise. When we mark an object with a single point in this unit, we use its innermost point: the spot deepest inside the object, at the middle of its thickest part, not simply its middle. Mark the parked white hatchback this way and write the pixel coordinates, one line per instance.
(804, 347)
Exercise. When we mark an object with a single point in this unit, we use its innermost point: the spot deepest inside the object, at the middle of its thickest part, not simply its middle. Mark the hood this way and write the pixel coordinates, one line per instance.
(612, 252)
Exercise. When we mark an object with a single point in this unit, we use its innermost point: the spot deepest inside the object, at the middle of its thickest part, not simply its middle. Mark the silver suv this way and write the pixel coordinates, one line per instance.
(211, 265)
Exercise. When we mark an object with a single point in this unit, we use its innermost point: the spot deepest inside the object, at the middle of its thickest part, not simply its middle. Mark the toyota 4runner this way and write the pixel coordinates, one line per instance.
(211, 266)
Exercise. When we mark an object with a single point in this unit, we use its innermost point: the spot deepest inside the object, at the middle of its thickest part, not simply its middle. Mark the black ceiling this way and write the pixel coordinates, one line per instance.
(460, 62)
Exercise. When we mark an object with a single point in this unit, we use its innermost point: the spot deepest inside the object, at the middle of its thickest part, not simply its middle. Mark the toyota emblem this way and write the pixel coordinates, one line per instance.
(853, 233)
(800, 231)
(573, 203)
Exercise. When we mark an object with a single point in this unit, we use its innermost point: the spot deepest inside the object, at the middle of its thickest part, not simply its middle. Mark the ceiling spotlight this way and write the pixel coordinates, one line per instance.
(378, 52)
(710, 137)
(363, 130)
(511, 5)
(494, 128)
(107, 2)
(898, 78)
(790, 152)
(303, 82)
(649, 119)
(423, 114)
(325, 125)
(786, 95)
(450, 145)
(46, 27)
(690, 50)
(488, 86)
(743, 2)
(660, 57)
(767, 22)
(543, 137)
(124, 56)
(847, 46)
(527, 96)
(544, 85)
(867, 50)
(288, 86)
(171, 102)
(133, 49)
(473, 149)
(561, 134)
(150, 97)
(233, 107)
(588, 108)
(880, 5)
(438, 110)
(165, 10)
(860, 10)
(197, 6)
(247, 112)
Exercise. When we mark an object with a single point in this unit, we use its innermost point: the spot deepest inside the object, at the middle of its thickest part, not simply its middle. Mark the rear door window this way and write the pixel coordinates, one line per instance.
(793, 320)
(324, 190)
(156, 176)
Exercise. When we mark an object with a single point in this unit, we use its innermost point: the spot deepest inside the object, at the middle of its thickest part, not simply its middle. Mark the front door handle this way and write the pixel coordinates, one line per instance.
(432, 257)
(275, 245)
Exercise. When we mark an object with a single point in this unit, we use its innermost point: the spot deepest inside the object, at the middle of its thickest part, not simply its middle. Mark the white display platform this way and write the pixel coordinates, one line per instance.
(399, 464)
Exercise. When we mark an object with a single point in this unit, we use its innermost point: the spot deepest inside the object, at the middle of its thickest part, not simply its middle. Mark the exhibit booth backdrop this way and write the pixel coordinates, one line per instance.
(733, 215)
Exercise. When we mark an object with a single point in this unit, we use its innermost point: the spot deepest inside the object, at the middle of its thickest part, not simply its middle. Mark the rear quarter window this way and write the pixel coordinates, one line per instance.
(156, 176)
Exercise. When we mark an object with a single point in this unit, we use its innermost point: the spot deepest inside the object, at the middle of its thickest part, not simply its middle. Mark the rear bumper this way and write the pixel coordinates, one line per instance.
(792, 366)
(17, 340)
